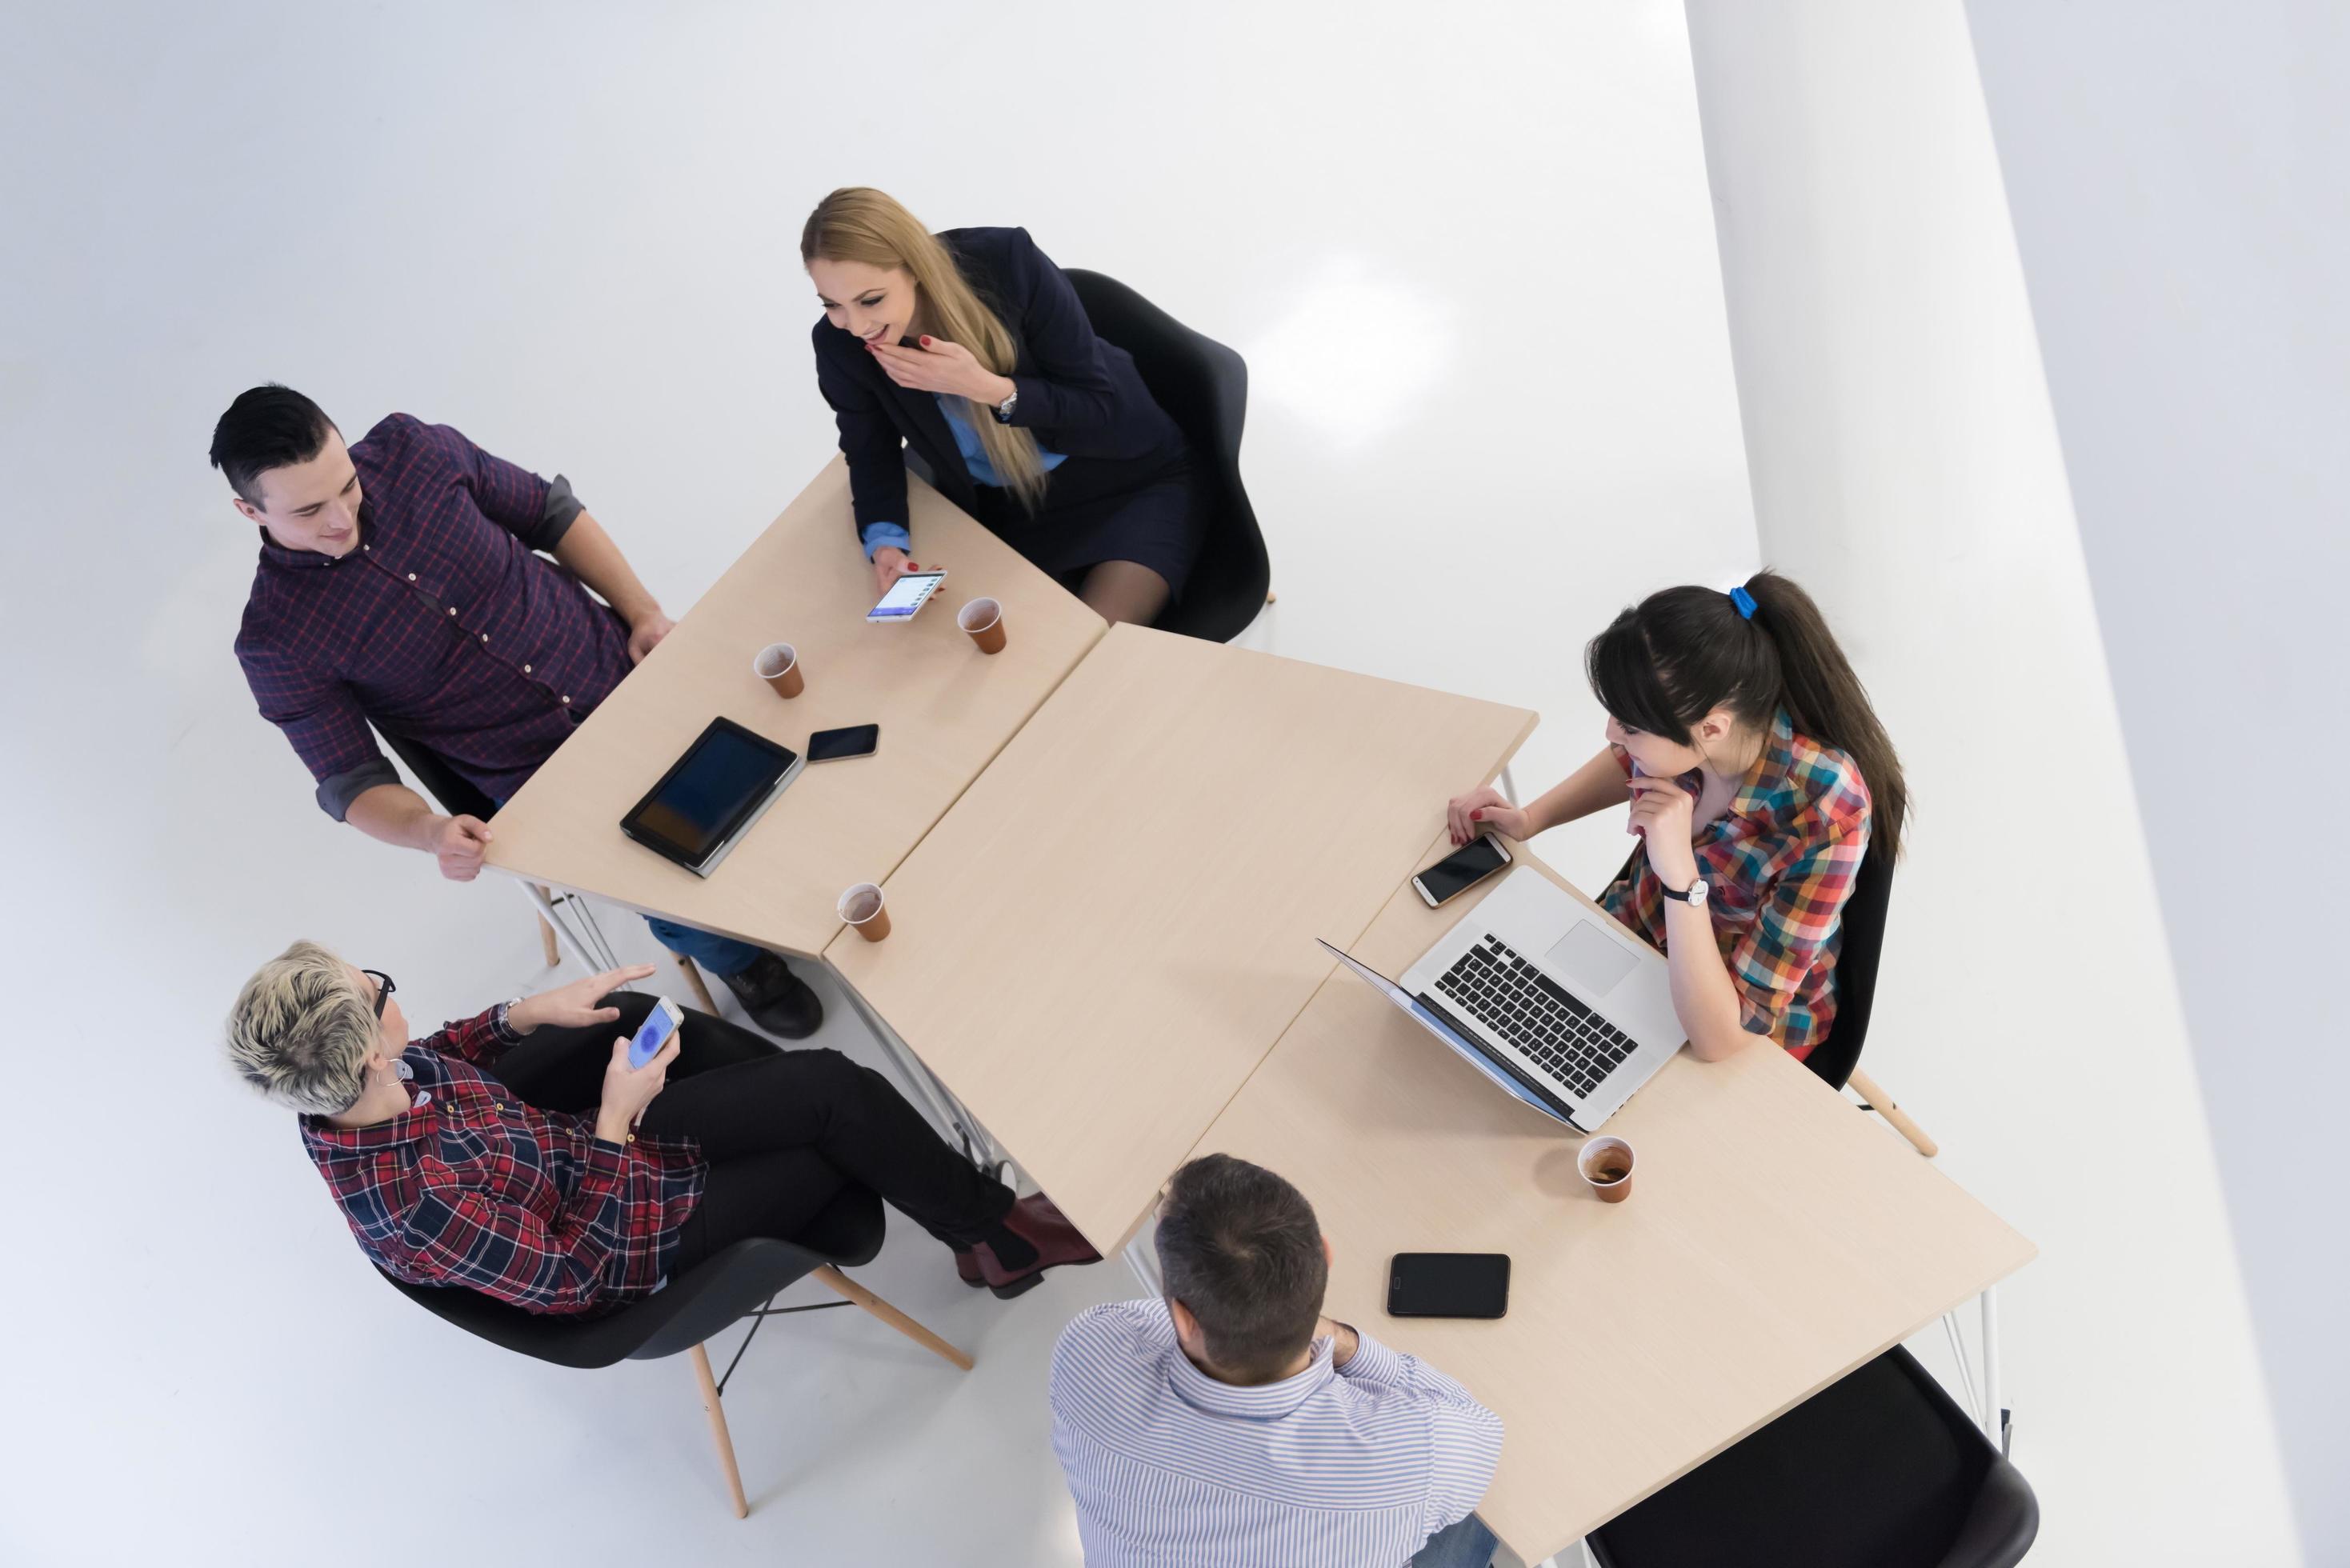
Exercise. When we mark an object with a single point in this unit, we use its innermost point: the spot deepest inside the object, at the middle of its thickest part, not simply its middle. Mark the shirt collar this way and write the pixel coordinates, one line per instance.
(1262, 1402)
(405, 1127)
(278, 555)
(1768, 776)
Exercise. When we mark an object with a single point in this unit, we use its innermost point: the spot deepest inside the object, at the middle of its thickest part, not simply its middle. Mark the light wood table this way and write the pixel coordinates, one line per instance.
(1775, 1238)
(1101, 940)
(944, 708)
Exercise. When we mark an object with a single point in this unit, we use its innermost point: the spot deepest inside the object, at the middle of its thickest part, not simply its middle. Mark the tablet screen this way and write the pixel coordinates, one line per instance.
(721, 778)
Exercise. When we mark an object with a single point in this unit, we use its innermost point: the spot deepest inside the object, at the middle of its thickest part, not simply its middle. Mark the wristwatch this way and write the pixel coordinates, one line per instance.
(1694, 897)
(1004, 410)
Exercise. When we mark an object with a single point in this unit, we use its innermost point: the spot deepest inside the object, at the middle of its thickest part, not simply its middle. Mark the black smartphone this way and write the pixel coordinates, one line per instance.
(1461, 870)
(855, 740)
(1449, 1284)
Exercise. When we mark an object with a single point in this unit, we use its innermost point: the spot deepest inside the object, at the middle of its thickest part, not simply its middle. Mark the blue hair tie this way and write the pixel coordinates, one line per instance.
(1744, 601)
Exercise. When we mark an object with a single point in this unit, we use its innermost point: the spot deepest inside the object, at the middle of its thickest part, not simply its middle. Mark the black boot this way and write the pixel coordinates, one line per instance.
(778, 1001)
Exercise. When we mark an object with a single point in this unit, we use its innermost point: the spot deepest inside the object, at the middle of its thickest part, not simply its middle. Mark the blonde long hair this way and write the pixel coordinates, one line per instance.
(858, 224)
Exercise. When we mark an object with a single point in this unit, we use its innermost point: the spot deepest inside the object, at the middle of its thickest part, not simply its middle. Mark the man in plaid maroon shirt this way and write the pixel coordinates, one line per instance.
(400, 586)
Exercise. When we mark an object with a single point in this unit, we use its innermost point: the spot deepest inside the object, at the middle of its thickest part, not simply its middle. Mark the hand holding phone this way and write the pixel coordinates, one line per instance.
(659, 1025)
(906, 594)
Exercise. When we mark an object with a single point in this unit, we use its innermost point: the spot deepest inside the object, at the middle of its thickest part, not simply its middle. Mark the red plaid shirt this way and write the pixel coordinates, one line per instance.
(474, 1188)
(442, 626)
(1778, 867)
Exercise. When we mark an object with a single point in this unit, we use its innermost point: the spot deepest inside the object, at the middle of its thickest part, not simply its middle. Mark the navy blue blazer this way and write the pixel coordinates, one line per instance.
(1080, 395)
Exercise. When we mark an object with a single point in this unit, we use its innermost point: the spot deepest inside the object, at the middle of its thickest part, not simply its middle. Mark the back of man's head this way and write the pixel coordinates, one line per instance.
(267, 427)
(1241, 1250)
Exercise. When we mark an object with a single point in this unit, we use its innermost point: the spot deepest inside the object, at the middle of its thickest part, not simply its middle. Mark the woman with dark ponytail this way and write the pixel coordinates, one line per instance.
(1759, 777)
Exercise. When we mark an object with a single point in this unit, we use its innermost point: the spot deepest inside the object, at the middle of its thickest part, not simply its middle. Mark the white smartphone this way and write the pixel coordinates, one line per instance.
(654, 1033)
(1461, 870)
(906, 594)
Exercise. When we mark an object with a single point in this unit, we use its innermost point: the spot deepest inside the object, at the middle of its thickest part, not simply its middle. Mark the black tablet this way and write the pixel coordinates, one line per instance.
(711, 795)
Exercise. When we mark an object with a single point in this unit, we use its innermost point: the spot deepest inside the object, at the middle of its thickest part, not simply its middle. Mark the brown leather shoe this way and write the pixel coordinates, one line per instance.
(967, 1268)
(1034, 1219)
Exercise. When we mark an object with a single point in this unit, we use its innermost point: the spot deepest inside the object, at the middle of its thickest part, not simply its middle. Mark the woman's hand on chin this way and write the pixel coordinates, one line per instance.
(938, 366)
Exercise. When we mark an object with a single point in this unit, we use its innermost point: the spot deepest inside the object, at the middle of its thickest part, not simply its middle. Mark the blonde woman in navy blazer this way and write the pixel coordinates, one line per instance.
(972, 348)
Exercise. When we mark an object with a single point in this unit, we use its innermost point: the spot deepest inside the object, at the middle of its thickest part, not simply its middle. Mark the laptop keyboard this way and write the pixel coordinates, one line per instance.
(1565, 1040)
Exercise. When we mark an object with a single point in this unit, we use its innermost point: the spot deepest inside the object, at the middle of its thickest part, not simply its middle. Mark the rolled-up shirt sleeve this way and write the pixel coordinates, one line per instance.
(555, 517)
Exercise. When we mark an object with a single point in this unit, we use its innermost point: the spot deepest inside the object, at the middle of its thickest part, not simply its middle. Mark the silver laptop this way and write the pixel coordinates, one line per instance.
(1554, 1002)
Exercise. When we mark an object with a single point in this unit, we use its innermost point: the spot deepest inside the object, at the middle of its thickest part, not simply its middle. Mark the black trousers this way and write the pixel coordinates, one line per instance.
(784, 1131)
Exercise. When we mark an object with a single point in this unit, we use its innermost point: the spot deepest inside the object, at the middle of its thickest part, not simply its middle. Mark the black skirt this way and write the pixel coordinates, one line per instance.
(1100, 509)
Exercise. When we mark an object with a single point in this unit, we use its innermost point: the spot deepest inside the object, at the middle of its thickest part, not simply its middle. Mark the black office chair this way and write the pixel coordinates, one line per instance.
(1882, 1470)
(1203, 386)
(724, 1288)
(1853, 984)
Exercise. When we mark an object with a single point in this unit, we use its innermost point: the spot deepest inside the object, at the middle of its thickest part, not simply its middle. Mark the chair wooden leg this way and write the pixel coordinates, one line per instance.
(546, 940)
(718, 1430)
(695, 982)
(1884, 1106)
(890, 1315)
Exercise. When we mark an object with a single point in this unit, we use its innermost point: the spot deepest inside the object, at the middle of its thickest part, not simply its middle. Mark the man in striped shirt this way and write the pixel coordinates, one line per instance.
(1232, 1425)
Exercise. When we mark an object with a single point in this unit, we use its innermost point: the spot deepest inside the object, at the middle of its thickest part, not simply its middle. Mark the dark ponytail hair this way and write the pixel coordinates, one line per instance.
(1677, 655)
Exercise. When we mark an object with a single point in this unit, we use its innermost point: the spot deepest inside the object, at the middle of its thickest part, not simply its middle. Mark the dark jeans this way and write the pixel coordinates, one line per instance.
(784, 1131)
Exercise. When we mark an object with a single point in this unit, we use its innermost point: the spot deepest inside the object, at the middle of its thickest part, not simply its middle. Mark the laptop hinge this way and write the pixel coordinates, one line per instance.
(1453, 1022)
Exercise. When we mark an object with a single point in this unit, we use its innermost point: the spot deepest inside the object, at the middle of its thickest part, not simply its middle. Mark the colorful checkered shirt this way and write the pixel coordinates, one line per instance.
(474, 1188)
(1778, 868)
(442, 626)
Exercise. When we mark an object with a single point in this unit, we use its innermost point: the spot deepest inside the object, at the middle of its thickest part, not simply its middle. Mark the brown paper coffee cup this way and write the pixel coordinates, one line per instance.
(984, 619)
(778, 665)
(1607, 1164)
(862, 908)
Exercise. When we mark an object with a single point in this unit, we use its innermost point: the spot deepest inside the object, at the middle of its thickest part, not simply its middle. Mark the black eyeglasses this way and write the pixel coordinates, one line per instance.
(383, 988)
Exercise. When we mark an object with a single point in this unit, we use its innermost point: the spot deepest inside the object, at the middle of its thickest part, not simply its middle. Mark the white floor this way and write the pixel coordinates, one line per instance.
(1473, 266)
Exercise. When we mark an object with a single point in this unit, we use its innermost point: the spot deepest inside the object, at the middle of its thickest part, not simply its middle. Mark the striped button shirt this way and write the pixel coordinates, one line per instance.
(1348, 1468)
(1778, 866)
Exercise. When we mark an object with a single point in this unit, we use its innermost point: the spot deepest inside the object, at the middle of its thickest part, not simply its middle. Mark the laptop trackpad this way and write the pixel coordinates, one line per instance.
(1588, 961)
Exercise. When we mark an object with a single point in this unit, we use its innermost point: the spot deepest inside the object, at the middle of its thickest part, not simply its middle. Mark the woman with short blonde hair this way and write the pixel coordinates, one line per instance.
(971, 347)
(523, 1154)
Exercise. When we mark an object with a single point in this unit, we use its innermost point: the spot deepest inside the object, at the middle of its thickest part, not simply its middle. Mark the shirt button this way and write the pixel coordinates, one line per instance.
(453, 609)
(485, 636)
(566, 701)
(525, 669)
(411, 576)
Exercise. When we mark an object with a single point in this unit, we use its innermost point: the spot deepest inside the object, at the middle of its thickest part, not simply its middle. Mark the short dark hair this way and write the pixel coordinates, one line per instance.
(268, 427)
(1241, 1248)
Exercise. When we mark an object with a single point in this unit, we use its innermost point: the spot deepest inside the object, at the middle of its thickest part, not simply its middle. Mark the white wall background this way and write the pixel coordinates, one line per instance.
(1471, 265)
(1907, 466)
(2180, 181)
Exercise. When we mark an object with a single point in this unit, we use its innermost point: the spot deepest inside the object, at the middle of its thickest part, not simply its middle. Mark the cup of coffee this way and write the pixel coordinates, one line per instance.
(984, 619)
(778, 665)
(862, 907)
(1607, 1164)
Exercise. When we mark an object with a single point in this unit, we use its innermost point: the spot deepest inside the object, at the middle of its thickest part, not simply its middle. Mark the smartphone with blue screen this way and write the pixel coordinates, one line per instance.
(654, 1033)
